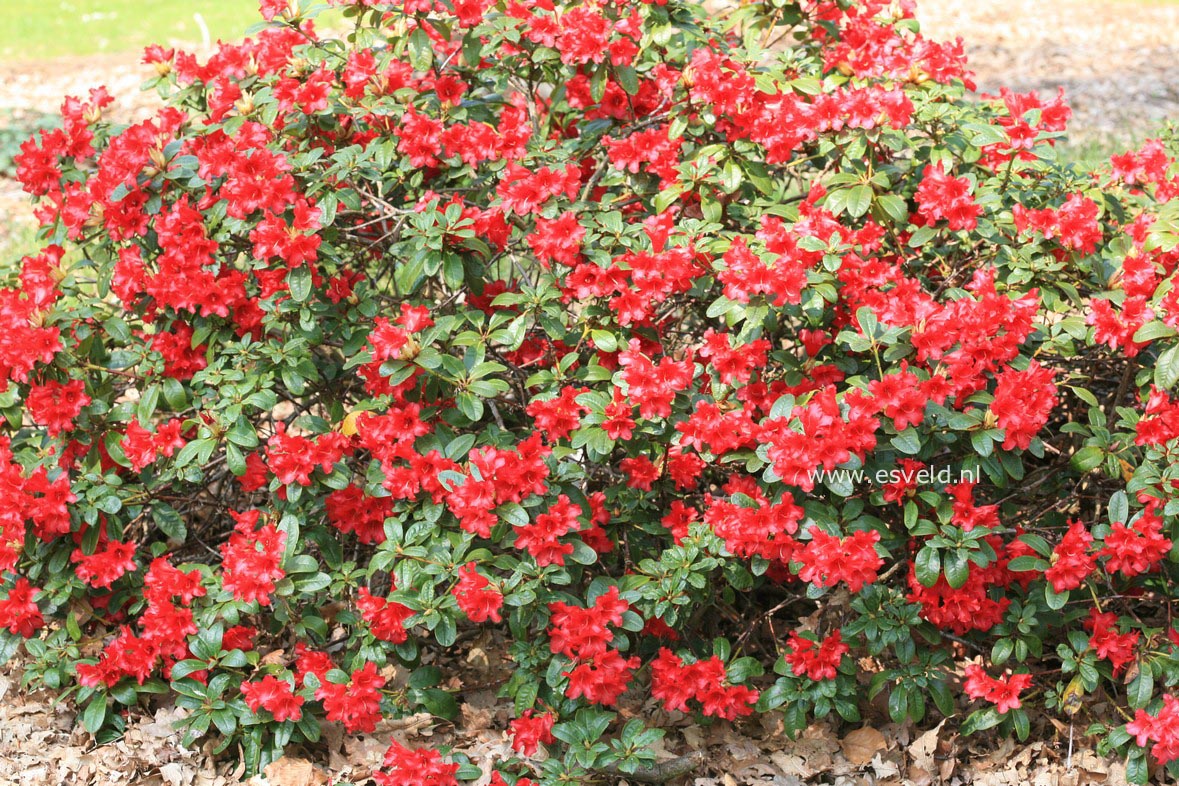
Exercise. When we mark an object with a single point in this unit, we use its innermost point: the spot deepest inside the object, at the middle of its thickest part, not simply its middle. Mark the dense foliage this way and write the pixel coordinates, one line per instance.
(742, 363)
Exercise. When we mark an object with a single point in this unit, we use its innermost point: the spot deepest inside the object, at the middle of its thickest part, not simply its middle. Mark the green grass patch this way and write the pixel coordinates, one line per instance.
(1094, 152)
(44, 29)
(17, 239)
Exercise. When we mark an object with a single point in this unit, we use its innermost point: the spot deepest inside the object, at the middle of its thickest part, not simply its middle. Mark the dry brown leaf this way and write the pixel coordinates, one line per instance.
(294, 772)
(922, 751)
(273, 658)
(476, 718)
(884, 769)
(176, 774)
(862, 744)
(919, 776)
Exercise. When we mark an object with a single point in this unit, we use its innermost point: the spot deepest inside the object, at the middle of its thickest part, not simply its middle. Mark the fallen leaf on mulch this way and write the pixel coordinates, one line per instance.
(861, 745)
(922, 757)
(288, 771)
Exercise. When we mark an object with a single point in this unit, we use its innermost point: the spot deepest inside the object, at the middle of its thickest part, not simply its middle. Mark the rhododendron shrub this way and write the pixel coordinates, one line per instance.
(736, 363)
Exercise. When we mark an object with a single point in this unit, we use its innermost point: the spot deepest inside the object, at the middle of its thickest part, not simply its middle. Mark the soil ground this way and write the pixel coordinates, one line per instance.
(1116, 63)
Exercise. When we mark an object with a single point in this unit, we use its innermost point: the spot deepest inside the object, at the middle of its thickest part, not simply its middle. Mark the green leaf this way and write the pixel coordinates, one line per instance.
(1021, 724)
(907, 442)
(1152, 330)
(1119, 508)
(94, 715)
(981, 721)
(148, 403)
(1026, 563)
(982, 442)
(1141, 689)
(859, 199)
(439, 702)
(1087, 458)
(928, 565)
(583, 554)
(627, 78)
(1166, 369)
(1055, 600)
(1137, 771)
(299, 281)
(898, 703)
(893, 207)
(169, 520)
(957, 567)
(421, 52)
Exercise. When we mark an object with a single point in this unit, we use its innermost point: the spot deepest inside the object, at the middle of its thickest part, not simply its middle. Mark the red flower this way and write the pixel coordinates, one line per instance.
(56, 405)
(421, 767)
(640, 472)
(1000, 691)
(1138, 548)
(309, 661)
(356, 704)
(385, 618)
(583, 633)
(1162, 729)
(102, 568)
(251, 559)
(476, 596)
(675, 683)
(602, 679)
(1120, 649)
(351, 510)
(941, 196)
(816, 662)
(828, 560)
(273, 695)
(541, 537)
(901, 398)
(530, 730)
(1071, 561)
(557, 417)
(19, 613)
(1023, 401)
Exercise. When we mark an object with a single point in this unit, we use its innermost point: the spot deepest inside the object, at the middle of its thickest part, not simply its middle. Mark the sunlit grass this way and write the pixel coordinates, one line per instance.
(44, 29)
(18, 239)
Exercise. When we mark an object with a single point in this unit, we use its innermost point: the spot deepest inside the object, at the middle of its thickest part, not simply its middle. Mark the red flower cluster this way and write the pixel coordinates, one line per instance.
(828, 560)
(971, 606)
(1074, 224)
(1116, 647)
(274, 695)
(350, 510)
(142, 447)
(1003, 692)
(1023, 400)
(818, 660)
(943, 197)
(357, 703)
(541, 538)
(530, 730)
(600, 674)
(251, 560)
(385, 618)
(55, 405)
(421, 767)
(476, 596)
(1138, 547)
(105, 566)
(676, 683)
(1071, 561)
(19, 613)
(1162, 729)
